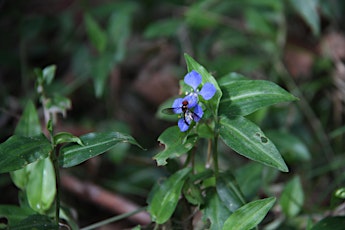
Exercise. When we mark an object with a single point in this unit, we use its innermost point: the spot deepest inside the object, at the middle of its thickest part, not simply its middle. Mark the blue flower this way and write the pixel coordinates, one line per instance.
(188, 107)
(190, 110)
(194, 79)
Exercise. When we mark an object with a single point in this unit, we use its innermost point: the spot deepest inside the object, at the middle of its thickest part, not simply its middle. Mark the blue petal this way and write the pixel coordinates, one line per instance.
(192, 99)
(208, 91)
(198, 112)
(193, 79)
(177, 105)
(182, 125)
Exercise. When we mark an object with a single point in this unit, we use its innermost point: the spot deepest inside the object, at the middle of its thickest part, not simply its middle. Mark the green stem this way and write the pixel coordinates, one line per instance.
(55, 161)
(215, 154)
(113, 219)
(215, 148)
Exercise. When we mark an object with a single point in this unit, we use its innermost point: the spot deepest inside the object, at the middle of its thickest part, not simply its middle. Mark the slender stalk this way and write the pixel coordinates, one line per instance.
(215, 154)
(113, 219)
(55, 161)
(215, 147)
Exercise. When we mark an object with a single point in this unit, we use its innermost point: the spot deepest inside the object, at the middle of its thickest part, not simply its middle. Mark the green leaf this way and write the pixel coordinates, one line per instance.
(94, 144)
(247, 139)
(308, 10)
(229, 191)
(340, 193)
(176, 143)
(249, 215)
(206, 77)
(37, 222)
(65, 137)
(215, 210)
(251, 177)
(192, 193)
(49, 73)
(100, 73)
(330, 223)
(246, 96)
(29, 124)
(163, 28)
(18, 151)
(291, 147)
(165, 199)
(41, 186)
(119, 31)
(15, 214)
(95, 33)
(292, 197)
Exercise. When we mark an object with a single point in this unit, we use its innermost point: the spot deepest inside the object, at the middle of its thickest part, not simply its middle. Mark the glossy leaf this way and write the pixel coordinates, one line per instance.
(94, 144)
(28, 125)
(65, 137)
(206, 77)
(292, 197)
(166, 196)
(15, 214)
(330, 223)
(175, 144)
(249, 215)
(19, 151)
(229, 192)
(95, 33)
(247, 139)
(244, 97)
(215, 210)
(37, 222)
(41, 186)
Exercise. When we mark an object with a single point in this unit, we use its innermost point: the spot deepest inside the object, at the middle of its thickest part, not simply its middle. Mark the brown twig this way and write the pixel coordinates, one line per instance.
(104, 198)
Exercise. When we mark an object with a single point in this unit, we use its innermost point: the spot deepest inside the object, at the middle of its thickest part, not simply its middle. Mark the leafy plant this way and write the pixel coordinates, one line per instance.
(222, 118)
(34, 159)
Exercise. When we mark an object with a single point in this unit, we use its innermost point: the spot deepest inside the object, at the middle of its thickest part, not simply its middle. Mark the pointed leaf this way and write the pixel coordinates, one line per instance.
(94, 144)
(249, 215)
(18, 151)
(243, 97)
(308, 10)
(29, 124)
(49, 73)
(95, 33)
(292, 197)
(229, 191)
(247, 139)
(206, 77)
(215, 210)
(165, 198)
(175, 144)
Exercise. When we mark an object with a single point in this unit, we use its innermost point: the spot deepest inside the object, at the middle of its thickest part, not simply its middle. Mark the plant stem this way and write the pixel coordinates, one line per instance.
(215, 155)
(55, 161)
(113, 219)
